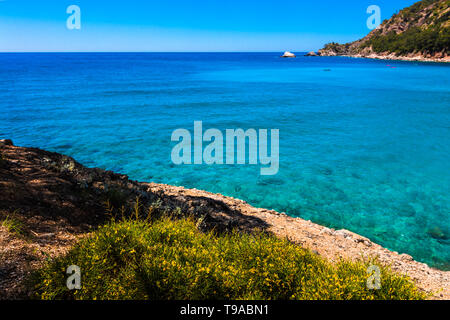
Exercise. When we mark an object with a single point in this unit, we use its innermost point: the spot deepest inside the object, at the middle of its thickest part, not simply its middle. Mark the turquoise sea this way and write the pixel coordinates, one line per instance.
(364, 145)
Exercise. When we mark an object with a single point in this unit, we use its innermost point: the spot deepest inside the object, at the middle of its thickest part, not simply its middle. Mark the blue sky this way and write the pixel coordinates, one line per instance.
(186, 25)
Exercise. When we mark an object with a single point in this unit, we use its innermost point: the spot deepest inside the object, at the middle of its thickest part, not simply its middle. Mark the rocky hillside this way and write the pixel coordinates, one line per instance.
(49, 201)
(419, 32)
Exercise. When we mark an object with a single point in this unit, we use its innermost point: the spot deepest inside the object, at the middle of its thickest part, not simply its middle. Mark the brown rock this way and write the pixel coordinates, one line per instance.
(6, 142)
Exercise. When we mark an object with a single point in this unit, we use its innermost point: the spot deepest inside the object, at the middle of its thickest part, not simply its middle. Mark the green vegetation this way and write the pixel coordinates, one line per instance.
(433, 39)
(429, 31)
(13, 225)
(339, 49)
(170, 258)
(411, 13)
(116, 198)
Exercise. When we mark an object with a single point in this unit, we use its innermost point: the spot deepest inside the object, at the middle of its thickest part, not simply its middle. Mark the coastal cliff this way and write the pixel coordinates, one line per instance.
(50, 201)
(420, 32)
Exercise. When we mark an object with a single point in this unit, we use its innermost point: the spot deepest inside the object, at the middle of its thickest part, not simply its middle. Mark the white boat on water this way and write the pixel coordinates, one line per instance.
(288, 54)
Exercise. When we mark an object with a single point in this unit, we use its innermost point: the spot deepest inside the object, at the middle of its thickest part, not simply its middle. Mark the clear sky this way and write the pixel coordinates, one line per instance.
(186, 25)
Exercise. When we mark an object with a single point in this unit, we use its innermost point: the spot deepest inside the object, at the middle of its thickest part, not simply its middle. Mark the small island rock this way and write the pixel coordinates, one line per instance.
(288, 54)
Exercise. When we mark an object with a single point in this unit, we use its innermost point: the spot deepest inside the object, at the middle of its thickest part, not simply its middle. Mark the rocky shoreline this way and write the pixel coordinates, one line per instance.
(416, 33)
(389, 56)
(58, 201)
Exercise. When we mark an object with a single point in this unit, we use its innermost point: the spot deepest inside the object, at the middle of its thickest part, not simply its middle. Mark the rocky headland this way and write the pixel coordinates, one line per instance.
(54, 201)
(420, 32)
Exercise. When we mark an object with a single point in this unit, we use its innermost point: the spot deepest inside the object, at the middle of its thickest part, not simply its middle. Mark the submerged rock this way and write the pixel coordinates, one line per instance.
(437, 233)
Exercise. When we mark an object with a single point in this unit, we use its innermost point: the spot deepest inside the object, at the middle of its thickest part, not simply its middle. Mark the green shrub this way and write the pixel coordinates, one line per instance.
(416, 39)
(169, 259)
(413, 11)
(13, 225)
(116, 198)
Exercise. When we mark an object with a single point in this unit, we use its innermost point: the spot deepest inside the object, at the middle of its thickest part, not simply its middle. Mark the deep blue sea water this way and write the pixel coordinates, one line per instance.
(364, 146)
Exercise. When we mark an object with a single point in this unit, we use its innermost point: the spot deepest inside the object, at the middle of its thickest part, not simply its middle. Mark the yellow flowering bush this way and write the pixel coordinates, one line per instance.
(171, 259)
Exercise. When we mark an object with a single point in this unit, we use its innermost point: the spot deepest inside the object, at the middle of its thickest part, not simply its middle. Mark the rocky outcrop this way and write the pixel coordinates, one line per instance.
(6, 142)
(418, 33)
(288, 54)
(57, 201)
(311, 54)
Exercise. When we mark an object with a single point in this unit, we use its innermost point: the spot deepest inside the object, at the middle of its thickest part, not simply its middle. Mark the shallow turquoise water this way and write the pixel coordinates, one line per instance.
(364, 146)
